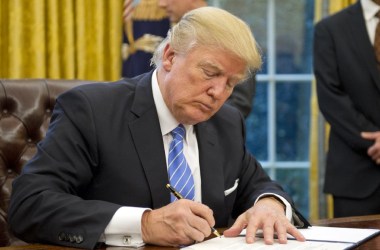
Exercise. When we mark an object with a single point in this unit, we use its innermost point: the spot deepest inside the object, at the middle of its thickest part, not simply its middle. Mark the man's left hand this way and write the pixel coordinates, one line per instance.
(267, 214)
(374, 150)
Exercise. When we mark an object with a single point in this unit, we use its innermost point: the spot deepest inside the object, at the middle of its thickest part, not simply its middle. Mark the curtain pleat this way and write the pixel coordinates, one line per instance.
(61, 39)
(337, 5)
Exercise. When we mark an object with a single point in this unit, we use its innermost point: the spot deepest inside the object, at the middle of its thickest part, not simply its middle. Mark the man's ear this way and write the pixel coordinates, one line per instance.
(168, 57)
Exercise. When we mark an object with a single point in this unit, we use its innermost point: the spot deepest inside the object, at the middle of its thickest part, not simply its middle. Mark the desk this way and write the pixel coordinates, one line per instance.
(370, 221)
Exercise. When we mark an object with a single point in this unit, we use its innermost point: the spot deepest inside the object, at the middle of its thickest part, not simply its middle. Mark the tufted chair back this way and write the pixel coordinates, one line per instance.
(25, 110)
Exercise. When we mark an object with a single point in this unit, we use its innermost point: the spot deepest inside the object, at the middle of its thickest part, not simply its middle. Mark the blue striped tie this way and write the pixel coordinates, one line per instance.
(180, 176)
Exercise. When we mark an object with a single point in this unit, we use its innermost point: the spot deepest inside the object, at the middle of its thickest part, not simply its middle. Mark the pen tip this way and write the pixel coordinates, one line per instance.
(216, 233)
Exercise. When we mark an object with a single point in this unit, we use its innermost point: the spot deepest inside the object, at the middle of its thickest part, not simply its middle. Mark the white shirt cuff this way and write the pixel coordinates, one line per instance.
(124, 229)
(288, 210)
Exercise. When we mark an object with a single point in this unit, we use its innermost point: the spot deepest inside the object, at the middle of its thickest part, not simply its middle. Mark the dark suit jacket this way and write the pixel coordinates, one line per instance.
(104, 150)
(348, 85)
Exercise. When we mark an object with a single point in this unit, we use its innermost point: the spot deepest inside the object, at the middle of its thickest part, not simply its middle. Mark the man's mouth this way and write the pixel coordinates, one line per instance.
(204, 107)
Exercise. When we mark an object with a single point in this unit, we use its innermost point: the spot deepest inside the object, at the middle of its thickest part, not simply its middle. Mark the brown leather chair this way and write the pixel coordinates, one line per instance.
(25, 110)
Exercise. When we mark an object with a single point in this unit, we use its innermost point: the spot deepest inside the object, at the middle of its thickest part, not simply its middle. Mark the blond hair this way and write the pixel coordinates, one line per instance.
(216, 28)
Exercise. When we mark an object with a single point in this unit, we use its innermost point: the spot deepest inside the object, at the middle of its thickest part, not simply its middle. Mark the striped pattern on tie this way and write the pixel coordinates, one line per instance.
(180, 176)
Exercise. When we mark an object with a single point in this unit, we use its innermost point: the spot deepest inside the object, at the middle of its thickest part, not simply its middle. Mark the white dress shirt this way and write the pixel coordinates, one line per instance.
(369, 11)
(124, 229)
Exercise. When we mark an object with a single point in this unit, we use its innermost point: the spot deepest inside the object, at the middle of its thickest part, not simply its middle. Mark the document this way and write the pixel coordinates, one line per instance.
(338, 234)
(238, 243)
(327, 238)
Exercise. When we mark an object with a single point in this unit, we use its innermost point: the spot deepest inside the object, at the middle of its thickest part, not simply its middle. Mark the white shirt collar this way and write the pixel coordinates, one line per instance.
(369, 9)
(165, 117)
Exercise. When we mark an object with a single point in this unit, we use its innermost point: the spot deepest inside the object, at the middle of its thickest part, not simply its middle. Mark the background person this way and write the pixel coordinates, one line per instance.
(348, 88)
(145, 26)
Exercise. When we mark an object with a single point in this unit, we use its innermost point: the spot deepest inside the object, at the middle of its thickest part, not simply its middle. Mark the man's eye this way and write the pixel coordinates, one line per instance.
(210, 73)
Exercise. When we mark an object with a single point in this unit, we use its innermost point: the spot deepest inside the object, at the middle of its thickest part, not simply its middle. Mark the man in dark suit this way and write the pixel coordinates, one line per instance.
(348, 85)
(100, 174)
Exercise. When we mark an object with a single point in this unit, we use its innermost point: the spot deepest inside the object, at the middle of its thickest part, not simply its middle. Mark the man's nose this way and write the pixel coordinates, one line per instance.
(218, 88)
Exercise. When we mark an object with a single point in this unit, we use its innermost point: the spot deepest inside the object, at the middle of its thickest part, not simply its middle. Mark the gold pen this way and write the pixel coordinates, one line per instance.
(179, 196)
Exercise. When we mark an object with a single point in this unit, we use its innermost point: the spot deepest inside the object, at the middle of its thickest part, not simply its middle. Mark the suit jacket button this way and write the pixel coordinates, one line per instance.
(127, 240)
(79, 239)
(71, 238)
(62, 236)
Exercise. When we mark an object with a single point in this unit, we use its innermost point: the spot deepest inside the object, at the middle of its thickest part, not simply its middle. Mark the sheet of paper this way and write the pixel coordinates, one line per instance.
(327, 238)
(340, 234)
(238, 243)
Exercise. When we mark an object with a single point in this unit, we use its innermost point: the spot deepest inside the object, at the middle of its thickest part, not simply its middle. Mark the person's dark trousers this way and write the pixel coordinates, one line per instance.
(344, 207)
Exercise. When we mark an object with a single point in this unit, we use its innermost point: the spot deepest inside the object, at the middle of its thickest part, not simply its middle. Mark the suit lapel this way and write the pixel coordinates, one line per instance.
(211, 168)
(359, 35)
(146, 133)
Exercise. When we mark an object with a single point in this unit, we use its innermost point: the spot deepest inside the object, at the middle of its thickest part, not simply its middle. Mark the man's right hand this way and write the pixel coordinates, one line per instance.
(179, 223)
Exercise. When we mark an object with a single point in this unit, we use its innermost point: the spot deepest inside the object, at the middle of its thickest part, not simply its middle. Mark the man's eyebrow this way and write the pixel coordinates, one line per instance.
(210, 65)
(237, 77)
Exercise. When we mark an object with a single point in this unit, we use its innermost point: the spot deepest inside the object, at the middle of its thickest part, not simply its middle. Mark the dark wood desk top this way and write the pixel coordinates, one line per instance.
(370, 221)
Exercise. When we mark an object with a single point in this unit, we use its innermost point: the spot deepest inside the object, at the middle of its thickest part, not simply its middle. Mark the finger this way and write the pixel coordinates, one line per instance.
(237, 227)
(194, 234)
(268, 232)
(376, 155)
(370, 135)
(378, 161)
(252, 227)
(281, 232)
(187, 227)
(201, 225)
(292, 230)
(374, 152)
(203, 211)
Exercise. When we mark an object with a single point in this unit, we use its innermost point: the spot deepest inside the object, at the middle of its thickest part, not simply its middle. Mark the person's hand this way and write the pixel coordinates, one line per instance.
(127, 10)
(180, 223)
(267, 214)
(374, 150)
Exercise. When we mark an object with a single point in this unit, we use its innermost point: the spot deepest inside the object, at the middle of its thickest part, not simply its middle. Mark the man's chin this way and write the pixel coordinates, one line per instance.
(197, 118)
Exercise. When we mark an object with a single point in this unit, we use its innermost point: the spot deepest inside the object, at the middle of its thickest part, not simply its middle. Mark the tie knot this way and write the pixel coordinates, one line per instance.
(179, 132)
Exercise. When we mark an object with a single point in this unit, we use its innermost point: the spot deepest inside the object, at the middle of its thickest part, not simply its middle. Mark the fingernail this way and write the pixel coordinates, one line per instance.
(250, 239)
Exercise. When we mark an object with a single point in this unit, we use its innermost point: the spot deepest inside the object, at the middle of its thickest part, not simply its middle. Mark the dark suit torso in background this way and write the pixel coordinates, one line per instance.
(104, 149)
(348, 85)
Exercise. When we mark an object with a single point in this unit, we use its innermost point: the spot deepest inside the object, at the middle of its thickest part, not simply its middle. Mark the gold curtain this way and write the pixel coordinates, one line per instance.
(321, 205)
(61, 39)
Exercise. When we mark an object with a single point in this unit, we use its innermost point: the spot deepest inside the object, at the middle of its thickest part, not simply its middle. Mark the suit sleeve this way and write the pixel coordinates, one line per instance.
(335, 103)
(46, 204)
(254, 182)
